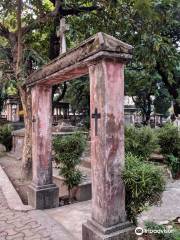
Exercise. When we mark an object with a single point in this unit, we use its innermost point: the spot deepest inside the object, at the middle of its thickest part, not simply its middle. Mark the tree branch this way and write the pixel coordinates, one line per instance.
(77, 11)
(42, 19)
(59, 10)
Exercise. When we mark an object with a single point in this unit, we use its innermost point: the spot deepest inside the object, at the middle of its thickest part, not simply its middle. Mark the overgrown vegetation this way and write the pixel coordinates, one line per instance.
(5, 136)
(169, 141)
(144, 184)
(162, 233)
(140, 141)
(174, 164)
(68, 150)
(145, 140)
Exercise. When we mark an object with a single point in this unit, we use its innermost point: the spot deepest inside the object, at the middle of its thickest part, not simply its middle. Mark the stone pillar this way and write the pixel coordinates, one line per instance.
(17, 112)
(42, 192)
(107, 154)
(9, 112)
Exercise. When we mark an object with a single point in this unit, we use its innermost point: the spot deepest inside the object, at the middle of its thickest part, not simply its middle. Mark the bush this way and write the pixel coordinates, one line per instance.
(161, 233)
(144, 183)
(68, 150)
(6, 137)
(174, 164)
(140, 141)
(169, 140)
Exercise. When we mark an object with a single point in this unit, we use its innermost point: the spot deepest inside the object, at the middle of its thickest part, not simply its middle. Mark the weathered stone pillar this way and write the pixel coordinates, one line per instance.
(17, 113)
(107, 153)
(42, 192)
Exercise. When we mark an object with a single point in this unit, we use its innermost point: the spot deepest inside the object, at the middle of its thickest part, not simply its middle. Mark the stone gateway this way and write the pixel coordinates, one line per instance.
(102, 57)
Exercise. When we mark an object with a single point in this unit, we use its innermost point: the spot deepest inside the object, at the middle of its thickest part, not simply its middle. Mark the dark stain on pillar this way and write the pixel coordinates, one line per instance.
(113, 130)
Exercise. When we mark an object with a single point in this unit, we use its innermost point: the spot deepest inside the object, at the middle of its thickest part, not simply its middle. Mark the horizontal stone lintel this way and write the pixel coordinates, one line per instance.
(74, 63)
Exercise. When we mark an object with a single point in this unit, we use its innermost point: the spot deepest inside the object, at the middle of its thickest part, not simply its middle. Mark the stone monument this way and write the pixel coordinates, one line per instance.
(102, 57)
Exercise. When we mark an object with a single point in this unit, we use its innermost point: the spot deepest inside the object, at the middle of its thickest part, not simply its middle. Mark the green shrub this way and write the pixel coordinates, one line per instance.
(174, 164)
(161, 234)
(140, 141)
(68, 150)
(169, 140)
(144, 184)
(6, 137)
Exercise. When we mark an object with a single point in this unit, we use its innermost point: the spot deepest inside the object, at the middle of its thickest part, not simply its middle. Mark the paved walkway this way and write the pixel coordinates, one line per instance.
(29, 225)
(168, 210)
(72, 217)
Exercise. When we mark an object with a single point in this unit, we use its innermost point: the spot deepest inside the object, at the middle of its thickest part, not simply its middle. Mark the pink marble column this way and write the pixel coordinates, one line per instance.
(41, 135)
(42, 187)
(107, 153)
(107, 149)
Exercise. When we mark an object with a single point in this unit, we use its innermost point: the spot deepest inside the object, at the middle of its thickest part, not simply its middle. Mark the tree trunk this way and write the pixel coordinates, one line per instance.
(26, 167)
(25, 95)
(171, 87)
(148, 112)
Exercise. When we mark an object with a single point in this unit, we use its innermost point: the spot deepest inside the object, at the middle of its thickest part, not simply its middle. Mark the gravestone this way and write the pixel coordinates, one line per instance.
(17, 143)
(64, 127)
(2, 148)
(103, 58)
(18, 137)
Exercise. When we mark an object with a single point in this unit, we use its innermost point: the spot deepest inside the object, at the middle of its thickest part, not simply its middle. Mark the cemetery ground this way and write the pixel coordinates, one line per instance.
(66, 222)
(133, 194)
(111, 214)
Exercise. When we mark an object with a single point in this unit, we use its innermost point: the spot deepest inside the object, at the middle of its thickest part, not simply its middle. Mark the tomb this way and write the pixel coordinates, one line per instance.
(60, 111)
(12, 108)
(18, 137)
(102, 57)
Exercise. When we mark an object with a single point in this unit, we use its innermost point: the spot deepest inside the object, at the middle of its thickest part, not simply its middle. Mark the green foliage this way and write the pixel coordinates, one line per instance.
(68, 150)
(169, 140)
(140, 141)
(3, 96)
(162, 101)
(152, 27)
(161, 232)
(144, 183)
(174, 164)
(78, 95)
(5, 136)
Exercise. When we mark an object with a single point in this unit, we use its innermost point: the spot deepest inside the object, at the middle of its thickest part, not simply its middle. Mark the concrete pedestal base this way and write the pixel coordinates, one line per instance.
(93, 231)
(43, 197)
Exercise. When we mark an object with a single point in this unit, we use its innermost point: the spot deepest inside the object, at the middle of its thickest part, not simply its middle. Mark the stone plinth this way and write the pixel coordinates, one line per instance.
(43, 197)
(123, 231)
